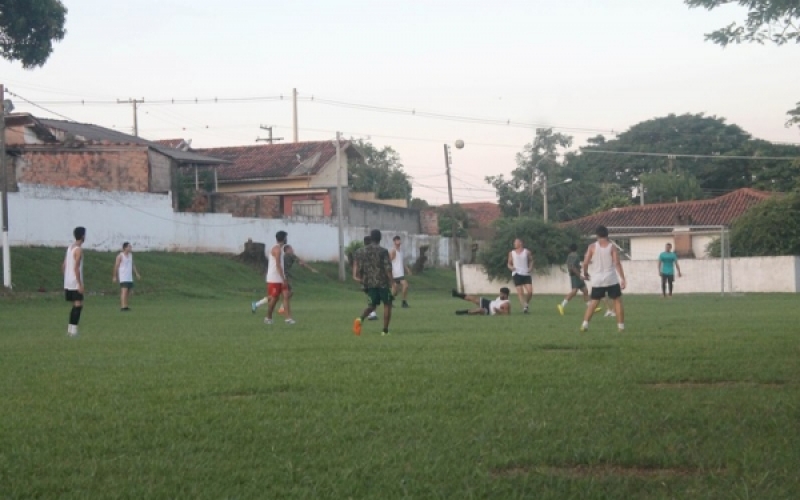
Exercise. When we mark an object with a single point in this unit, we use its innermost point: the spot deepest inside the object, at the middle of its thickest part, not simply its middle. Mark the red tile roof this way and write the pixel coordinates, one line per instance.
(482, 213)
(714, 212)
(269, 161)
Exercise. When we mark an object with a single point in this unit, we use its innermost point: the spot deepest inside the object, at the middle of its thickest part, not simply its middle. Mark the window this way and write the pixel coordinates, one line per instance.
(308, 208)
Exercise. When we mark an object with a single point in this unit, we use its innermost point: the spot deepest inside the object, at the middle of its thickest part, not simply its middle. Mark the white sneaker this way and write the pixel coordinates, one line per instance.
(267, 321)
(610, 314)
(290, 321)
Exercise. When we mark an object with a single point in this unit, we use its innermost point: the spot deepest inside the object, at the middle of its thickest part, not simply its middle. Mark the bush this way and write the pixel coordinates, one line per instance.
(350, 249)
(771, 228)
(547, 242)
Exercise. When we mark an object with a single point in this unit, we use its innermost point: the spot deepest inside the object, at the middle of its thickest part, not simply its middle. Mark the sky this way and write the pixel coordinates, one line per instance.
(584, 67)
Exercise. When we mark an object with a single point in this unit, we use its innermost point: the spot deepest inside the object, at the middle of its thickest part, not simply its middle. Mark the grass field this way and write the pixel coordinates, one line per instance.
(191, 396)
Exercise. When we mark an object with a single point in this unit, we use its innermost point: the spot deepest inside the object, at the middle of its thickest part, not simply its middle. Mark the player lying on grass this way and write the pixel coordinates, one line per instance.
(500, 305)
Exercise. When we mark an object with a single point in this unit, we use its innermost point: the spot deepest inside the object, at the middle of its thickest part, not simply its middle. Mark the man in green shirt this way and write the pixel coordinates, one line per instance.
(375, 275)
(576, 282)
(667, 264)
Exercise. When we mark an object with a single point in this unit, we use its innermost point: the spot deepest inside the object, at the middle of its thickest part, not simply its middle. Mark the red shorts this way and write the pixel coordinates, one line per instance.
(275, 289)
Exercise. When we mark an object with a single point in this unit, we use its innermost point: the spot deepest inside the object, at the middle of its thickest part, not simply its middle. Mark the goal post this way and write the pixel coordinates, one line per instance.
(704, 257)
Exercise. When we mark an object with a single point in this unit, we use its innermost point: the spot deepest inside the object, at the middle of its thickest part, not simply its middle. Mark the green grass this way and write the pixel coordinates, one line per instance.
(191, 396)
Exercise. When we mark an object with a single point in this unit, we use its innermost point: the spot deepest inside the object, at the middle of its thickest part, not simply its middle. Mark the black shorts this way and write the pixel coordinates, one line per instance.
(520, 279)
(667, 278)
(399, 280)
(613, 292)
(72, 295)
(486, 305)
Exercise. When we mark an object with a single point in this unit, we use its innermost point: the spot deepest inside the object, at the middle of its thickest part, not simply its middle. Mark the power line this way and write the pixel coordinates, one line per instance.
(40, 106)
(674, 155)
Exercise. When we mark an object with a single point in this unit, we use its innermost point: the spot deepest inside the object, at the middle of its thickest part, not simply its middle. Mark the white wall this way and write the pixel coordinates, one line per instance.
(751, 275)
(45, 216)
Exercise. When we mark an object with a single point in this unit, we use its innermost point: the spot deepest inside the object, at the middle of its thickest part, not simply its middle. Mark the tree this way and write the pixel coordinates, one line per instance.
(547, 242)
(663, 186)
(794, 116)
(767, 21)
(770, 228)
(28, 29)
(418, 204)
(453, 216)
(521, 194)
(380, 172)
(613, 200)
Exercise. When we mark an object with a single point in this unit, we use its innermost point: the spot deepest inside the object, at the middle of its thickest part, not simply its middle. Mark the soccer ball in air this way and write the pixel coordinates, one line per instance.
(459, 144)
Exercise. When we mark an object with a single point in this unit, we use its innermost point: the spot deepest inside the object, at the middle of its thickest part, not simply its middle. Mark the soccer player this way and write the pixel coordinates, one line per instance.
(376, 276)
(289, 259)
(520, 263)
(276, 281)
(499, 306)
(609, 278)
(72, 269)
(124, 270)
(399, 271)
(358, 255)
(577, 284)
(667, 264)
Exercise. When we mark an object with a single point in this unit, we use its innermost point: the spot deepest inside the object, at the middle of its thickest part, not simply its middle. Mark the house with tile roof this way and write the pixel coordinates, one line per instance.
(303, 174)
(70, 154)
(642, 231)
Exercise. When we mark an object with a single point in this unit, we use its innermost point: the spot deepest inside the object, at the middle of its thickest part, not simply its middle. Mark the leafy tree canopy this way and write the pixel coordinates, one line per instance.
(548, 243)
(380, 172)
(521, 194)
(662, 187)
(767, 229)
(453, 218)
(773, 21)
(28, 29)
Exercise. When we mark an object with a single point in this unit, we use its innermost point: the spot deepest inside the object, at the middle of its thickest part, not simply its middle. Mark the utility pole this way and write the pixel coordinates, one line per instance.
(294, 114)
(6, 249)
(339, 204)
(452, 206)
(269, 139)
(135, 103)
(544, 195)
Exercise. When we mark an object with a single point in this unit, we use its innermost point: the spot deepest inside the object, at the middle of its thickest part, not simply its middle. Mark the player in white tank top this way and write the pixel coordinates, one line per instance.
(72, 268)
(276, 282)
(520, 263)
(608, 277)
(124, 270)
(399, 271)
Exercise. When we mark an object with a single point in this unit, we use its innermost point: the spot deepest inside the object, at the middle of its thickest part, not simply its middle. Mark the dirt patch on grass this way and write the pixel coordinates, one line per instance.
(600, 471)
(699, 384)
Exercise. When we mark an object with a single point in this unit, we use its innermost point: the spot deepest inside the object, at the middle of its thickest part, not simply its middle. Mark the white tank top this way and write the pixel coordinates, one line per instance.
(273, 276)
(520, 261)
(70, 280)
(495, 304)
(397, 264)
(603, 271)
(125, 272)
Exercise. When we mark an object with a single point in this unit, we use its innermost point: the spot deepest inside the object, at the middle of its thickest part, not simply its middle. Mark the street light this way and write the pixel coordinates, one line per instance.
(544, 192)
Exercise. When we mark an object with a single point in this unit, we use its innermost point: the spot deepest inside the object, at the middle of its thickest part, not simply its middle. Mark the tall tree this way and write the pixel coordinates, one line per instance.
(521, 194)
(28, 29)
(773, 21)
(380, 172)
(679, 185)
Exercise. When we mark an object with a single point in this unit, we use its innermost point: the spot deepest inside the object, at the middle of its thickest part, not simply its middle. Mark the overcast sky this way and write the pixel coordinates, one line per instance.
(589, 66)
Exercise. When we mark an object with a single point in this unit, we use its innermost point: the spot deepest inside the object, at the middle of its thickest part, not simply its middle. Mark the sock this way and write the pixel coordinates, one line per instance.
(459, 295)
(385, 330)
(462, 312)
(564, 303)
(75, 315)
(70, 329)
(262, 302)
(585, 324)
(620, 326)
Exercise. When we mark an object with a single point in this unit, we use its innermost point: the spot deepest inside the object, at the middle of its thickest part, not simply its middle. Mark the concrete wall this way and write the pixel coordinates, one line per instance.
(46, 215)
(160, 172)
(648, 247)
(384, 217)
(751, 275)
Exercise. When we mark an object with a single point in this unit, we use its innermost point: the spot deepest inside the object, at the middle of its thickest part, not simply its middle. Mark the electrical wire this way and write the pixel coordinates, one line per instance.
(39, 106)
(693, 156)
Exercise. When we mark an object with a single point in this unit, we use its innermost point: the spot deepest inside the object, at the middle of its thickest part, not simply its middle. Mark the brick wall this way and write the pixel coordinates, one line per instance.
(261, 206)
(115, 170)
(429, 220)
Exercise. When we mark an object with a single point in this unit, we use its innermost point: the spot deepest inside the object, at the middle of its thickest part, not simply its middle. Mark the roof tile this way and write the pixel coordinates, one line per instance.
(265, 161)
